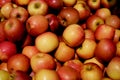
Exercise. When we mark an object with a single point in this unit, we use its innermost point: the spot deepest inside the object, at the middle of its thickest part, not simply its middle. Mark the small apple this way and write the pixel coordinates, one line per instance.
(105, 50)
(73, 35)
(46, 74)
(4, 75)
(36, 25)
(36, 7)
(108, 3)
(93, 4)
(93, 22)
(68, 73)
(69, 3)
(87, 49)
(113, 68)
(104, 31)
(18, 62)
(7, 49)
(67, 16)
(42, 61)
(91, 71)
(64, 53)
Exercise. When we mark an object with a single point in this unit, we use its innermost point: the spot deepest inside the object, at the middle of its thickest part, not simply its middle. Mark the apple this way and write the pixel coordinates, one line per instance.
(96, 61)
(3, 66)
(7, 8)
(105, 50)
(7, 49)
(93, 22)
(69, 3)
(68, 73)
(37, 7)
(46, 74)
(113, 68)
(2, 2)
(20, 13)
(89, 34)
(103, 13)
(64, 53)
(14, 29)
(83, 9)
(116, 35)
(54, 4)
(2, 33)
(73, 35)
(36, 25)
(29, 51)
(15, 63)
(4, 75)
(42, 61)
(118, 48)
(87, 49)
(53, 22)
(113, 20)
(94, 4)
(20, 75)
(104, 31)
(108, 3)
(67, 16)
(75, 64)
(21, 2)
(91, 71)
(46, 42)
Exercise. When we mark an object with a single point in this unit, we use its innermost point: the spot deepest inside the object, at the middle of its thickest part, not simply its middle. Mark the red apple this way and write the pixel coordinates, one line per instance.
(108, 3)
(29, 51)
(4, 75)
(14, 29)
(68, 73)
(20, 13)
(113, 20)
(113, 68)
(18, 62)
(36, 7)
(104, 31)
(2, 2)
(105, 50)
(87, 49)
(46, 74)
(42, 61)
(93, 4)
(67, 16)
(2, 32)
(7, 49)
(64, 53)
(46, 42)
(91, 71)
(93, 22)
(73, 35)
(103, 13)
(36, 25)
(69, 3)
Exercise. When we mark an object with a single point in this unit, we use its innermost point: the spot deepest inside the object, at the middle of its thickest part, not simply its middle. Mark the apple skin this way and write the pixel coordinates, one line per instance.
(93, 22)
(3, 66)
(37, 7)
(108, 4)
(89, 34)
(94, 5)
(113, 68)
(103, 13)
(20, 13)
(105, 50)
(68, 73)
(64, 53)
(67, 16)
(113, 20)
(91, 71)
(116, 36)
(2, 2)
(46, 42)
(7, 49)
(42, 61)
(21, 2)
(15, 63)
(46, 74)
(36, 25)
(14, 30)
(69, 3)
(73, 35)
(4, 75)
(87, 49)
(118, 48)
(104, 31)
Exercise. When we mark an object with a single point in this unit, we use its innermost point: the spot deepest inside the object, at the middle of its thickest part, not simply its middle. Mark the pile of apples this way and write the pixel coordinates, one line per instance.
(59, 40)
